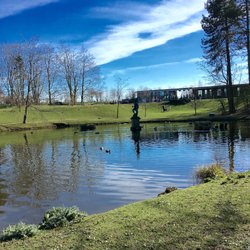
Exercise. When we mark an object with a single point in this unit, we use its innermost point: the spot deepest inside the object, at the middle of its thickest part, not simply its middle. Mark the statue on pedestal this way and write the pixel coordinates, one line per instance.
(135, 119)
(135, 108)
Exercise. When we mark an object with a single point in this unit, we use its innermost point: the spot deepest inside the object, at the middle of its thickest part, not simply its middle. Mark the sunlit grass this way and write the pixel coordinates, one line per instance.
(45, 115)
(215, 215)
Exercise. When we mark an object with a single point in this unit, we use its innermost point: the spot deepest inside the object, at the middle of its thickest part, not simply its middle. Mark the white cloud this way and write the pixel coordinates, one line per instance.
(129, 10)
(153, 66)
(169, 20)
(194, 60)
(12, 7)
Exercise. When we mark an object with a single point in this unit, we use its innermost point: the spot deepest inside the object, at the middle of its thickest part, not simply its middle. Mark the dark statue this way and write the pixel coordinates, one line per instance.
(135, 119)
(135, 107)
(135, 126)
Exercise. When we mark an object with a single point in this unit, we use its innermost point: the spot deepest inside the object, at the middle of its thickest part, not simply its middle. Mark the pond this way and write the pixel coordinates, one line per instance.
(42, 169)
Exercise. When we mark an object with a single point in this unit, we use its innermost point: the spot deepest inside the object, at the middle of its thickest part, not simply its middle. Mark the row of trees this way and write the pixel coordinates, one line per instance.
(227, 41)
(30, 71)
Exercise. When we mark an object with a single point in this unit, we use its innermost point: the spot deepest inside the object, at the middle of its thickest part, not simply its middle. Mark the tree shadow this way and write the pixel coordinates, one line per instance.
(224, 225)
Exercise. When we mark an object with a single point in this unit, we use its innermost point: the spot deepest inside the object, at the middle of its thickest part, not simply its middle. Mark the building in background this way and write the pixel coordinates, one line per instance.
(205, 92)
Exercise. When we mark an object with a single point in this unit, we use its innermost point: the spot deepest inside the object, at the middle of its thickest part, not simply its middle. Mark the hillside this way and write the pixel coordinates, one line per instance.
(215, 215)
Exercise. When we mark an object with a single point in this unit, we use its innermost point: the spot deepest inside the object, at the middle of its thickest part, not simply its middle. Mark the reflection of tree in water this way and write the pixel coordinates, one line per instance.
(245, 131)
(1, 156)
(3, 195)
(75, 162)
(156, 134)
(37, 177)
(93, 168)
(232, 135)
(30, 175)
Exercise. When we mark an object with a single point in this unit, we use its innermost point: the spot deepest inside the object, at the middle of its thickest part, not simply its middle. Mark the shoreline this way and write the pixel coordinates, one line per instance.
(61, 125)
(189, 218)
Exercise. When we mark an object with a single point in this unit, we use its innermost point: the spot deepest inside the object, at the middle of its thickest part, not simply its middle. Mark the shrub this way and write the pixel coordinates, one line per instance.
(59, 216)
(19, 231)
(211, 172)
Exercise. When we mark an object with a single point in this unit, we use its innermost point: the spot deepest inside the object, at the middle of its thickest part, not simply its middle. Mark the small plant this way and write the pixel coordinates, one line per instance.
(211, 172)
(19, 231)
(60, 216)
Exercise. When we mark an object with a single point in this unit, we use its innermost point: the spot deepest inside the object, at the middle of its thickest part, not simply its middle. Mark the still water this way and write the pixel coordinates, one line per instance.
(42, 169)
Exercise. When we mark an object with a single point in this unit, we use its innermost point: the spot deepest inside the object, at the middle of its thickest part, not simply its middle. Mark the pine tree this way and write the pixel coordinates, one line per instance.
(220, 27)
(244, 31)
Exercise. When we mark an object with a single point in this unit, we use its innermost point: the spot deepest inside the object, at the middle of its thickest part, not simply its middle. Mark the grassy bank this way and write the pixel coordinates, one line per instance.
(215, 215)
(44, 116)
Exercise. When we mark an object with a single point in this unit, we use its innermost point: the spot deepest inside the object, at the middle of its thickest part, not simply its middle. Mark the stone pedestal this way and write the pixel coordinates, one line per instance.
(135, 123)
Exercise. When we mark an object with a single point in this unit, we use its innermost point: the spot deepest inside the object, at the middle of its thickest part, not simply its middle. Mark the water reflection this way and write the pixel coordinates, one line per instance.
(232, 136)
(54, 168)
(3, 195)
(136, 138)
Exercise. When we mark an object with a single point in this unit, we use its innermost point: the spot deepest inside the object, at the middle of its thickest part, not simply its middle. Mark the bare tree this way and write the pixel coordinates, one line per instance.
(50, 70)
(112, 95)
(79, 71)
(12, 73)
(145, 97)
(68, 60)
(131, 93)
(121, 85)
(89, 72)
(32, 64)
(96, 92)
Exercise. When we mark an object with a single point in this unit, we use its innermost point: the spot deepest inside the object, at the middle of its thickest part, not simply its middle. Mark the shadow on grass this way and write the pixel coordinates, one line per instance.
(225, 225)
(217, 224)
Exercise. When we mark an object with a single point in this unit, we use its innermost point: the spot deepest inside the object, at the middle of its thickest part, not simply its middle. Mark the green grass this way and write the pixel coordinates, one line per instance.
(44, 115)
(214, 215)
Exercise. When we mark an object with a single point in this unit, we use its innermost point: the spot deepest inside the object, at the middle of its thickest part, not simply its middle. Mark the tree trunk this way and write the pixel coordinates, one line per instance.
(195, 106)
(50, 95)
(117, 111)
(26, 104)
(248, 38)
(230, 94)
(82, 90)
(49, 84)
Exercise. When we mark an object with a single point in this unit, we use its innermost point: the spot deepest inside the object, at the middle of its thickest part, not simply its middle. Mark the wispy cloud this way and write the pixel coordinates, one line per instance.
(127, 11)
(153, 66)
(169, 20)
(12, 7)
(194, 60)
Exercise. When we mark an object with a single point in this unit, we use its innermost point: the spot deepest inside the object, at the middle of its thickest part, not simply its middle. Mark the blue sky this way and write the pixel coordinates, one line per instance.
(153, 43)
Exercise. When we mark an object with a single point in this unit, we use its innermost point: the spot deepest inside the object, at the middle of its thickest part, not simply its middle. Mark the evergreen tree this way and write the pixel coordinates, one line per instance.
(220, 27)
(244, 32)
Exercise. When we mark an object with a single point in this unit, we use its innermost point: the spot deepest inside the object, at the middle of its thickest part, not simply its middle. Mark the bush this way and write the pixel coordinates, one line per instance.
(19, 231)
(211, 172)
(58, 217)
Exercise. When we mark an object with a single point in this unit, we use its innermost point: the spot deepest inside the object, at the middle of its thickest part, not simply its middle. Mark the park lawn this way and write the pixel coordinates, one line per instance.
(215, 215)
(44, 115)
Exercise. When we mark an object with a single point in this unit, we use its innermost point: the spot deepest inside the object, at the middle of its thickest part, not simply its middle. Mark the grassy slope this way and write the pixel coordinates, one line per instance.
(45, 115)
(215, 215)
